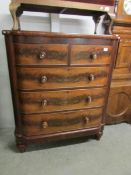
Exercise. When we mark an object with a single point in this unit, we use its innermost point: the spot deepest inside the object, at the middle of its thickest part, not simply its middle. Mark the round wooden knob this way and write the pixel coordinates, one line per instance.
(42, 55)
(43, 79)
(44, 103)
(94, 56)
(86, 119)
(89, 99)
(91, 77)
(44, 124)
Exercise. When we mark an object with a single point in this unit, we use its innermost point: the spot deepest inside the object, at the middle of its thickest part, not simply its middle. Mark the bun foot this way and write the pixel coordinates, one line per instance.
(22, 148)
(99, 135)
(21, 143)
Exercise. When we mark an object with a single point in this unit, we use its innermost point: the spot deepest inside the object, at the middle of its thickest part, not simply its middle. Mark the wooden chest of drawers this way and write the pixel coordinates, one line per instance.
(60, 84)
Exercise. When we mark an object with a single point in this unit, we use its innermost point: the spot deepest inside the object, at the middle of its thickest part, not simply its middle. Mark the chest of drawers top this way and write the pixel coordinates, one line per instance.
(35, 48)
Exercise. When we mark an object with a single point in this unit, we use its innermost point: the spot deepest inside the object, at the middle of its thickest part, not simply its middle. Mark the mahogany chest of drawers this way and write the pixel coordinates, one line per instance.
(60, 84)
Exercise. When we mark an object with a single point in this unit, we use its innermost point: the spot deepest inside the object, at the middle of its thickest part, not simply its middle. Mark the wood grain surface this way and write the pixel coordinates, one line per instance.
(53, 78)
(58, 122)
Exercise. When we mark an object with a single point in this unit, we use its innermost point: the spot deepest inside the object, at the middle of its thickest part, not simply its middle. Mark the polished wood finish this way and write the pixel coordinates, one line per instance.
(52, 54)
(56, 54)
(124, 53)
(119, 99)
(90, 55)
(59, 122)
(55, 98)
(119, 108)
(121, 16)
(61, 100)
(60, 82)
(55, 78)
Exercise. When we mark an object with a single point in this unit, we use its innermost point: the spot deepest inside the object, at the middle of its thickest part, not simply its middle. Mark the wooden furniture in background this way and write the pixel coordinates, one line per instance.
(119, 104)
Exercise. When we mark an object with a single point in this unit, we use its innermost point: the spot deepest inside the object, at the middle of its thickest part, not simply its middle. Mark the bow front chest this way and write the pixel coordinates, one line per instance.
(60, 84)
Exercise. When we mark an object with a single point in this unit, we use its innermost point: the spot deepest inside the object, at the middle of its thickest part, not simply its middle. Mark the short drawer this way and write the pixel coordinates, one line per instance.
(41, 54)
(42, 124)
(90, 55)
(49, 101)
(51, 78)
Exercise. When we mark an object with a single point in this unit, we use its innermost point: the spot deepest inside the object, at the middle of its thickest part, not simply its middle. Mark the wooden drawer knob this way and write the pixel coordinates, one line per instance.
(43, 79)
(94, 56)
(44, 103)
(91, 77)
(42, 55)
(89, 99)
(44, 124)
(86, 119)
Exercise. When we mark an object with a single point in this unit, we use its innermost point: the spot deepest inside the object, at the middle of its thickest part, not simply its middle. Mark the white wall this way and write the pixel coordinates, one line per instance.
(63, 23)
(6, 110)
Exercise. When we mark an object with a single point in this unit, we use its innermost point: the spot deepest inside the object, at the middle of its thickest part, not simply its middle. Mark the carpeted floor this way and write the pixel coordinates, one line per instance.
(109, 156)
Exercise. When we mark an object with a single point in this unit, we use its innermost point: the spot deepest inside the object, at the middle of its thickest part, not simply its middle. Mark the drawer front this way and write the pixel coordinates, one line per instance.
(49, 101)
(90, 55)
(51, 78)
(41, 54)
(60, 122)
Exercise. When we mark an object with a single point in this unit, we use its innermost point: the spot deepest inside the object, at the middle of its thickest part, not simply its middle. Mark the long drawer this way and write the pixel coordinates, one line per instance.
(48, 101)
(90, 54)
(41, 54)
(51, 78)
(59, 122)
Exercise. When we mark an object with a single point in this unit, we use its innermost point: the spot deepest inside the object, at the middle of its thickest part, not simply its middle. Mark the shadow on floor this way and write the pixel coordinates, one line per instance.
(49, 145)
